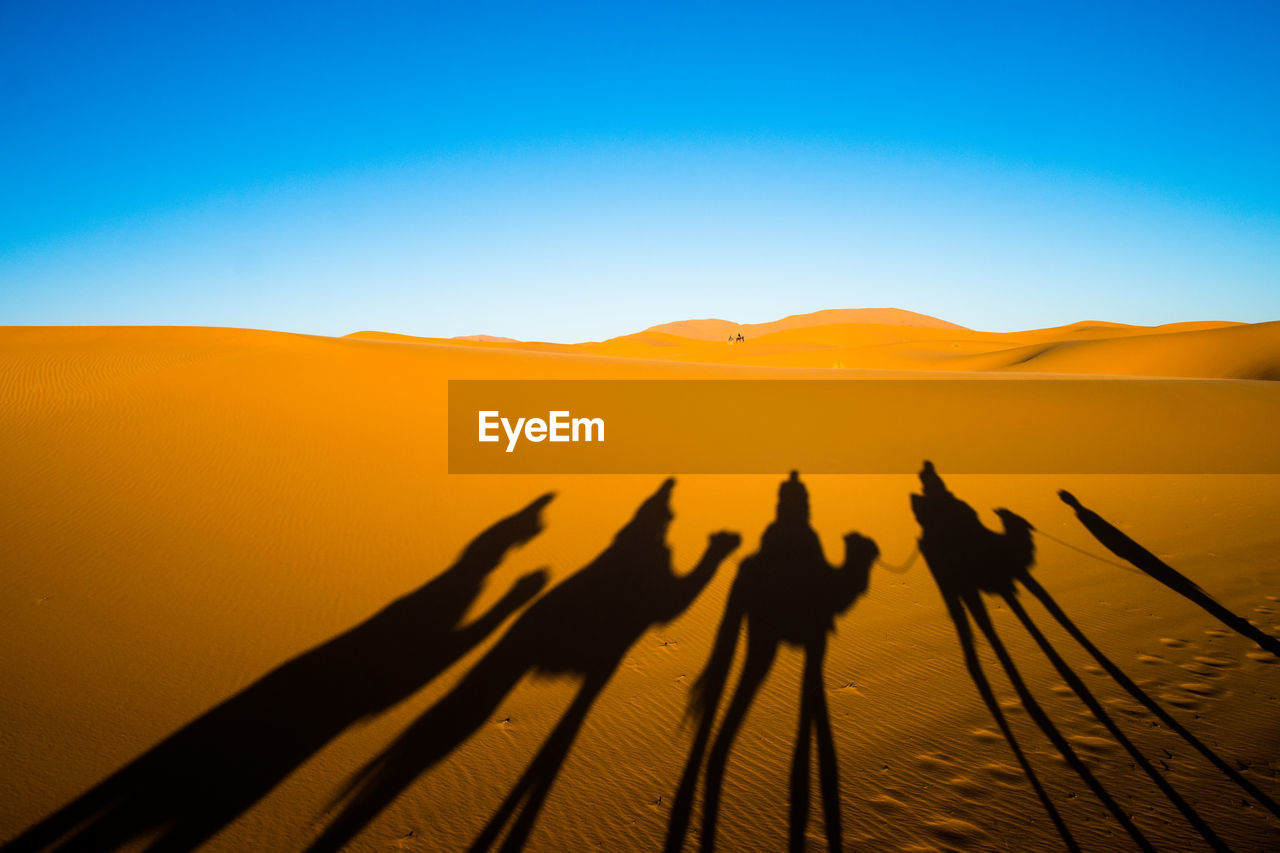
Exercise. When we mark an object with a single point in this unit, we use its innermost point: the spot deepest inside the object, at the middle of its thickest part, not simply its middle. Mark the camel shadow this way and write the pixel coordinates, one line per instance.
(786, 592)
(967, 560)
(201, 778)
(582, 627)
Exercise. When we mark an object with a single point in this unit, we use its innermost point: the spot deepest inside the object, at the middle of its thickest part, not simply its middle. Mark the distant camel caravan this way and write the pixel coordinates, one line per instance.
(187, 788)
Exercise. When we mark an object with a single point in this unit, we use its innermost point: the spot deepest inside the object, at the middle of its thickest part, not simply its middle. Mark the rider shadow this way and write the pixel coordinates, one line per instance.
(201, 778)
(582, 627)
(785, 593)
(1126, 549)
(967, 560)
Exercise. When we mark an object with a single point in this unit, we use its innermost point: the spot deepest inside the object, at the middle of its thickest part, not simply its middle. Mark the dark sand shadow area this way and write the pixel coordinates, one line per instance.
(581, 628)
(201, 778)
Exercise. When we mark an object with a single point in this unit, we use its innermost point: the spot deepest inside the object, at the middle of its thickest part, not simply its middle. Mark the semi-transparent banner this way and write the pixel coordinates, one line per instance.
(861, 426)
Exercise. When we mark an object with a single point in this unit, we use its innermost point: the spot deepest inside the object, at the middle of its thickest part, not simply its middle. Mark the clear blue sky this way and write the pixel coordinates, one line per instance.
(576, 171)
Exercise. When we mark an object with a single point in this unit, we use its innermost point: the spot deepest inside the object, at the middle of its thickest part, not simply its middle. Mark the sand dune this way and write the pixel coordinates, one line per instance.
(718, 330)
(203, 519)
(492, 339)
(1231, 352)
(889, 339)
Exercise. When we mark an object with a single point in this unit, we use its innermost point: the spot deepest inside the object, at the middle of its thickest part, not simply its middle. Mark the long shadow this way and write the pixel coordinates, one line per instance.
(583, 627)
(960, 552)
(1126, 549)
(1033, 586)
(967, 559)
(784, 593)
(192, 784)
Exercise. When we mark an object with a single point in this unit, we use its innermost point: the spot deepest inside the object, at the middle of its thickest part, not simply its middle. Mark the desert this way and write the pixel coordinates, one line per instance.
(246, 608)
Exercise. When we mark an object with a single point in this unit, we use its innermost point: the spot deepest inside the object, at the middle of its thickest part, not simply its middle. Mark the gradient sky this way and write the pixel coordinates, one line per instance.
(577, 171)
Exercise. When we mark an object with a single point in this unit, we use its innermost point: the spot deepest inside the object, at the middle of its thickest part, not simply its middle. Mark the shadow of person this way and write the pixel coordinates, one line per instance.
(1126, 549)
(966, 560)
(786, 592)
(583, 627)
(202, 777)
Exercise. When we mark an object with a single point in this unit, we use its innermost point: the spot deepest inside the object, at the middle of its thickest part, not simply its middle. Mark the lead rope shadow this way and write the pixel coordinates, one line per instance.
(784, 593)
(967, 560)
(201, 778)
(1127, 549)
(582, 628)
(1124, 547)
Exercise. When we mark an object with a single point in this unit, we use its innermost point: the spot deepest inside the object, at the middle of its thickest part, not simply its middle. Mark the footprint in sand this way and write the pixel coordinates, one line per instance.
(967, 787)
(1003, 772)
(886, 803)
(1214, 660)
(1183, 701)
(935, 760)
(1214, 632)
(1173, 643)
(956, 832)
(1200, 688)
(1093, 743)
(1125, 706)
(1202, 670)
(1146, 658)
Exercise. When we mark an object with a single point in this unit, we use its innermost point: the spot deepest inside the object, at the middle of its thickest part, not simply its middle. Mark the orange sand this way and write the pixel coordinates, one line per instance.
(189, 508)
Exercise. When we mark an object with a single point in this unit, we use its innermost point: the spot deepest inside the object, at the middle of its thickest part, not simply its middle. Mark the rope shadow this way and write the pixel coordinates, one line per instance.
(967, 560)
(1127, 549)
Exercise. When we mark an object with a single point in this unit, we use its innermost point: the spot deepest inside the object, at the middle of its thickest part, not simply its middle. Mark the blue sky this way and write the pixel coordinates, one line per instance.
(576, 171)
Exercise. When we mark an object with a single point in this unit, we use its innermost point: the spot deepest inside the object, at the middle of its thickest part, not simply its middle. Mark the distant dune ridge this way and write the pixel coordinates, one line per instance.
(717, 330)
(894, 339)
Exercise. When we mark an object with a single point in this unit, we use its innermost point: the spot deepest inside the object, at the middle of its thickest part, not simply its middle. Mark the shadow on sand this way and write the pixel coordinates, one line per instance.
(582, 627)
(784, 593)
(1126, 549)
(192, 784)
(967, 560)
